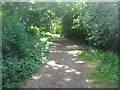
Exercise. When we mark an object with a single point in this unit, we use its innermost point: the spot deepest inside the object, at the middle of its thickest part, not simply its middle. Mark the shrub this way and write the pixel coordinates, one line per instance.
(22, 53)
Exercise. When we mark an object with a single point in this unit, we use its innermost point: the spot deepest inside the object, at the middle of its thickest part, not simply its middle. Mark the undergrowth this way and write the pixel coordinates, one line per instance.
(25, 36)
(106, 71)
(22, 52)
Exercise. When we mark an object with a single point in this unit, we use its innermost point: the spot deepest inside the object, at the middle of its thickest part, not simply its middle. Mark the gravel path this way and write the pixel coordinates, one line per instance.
(64, 68)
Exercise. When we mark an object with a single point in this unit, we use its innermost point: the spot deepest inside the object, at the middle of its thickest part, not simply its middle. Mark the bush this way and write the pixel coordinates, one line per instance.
(22, 53)
(95, 23)
(101, 20)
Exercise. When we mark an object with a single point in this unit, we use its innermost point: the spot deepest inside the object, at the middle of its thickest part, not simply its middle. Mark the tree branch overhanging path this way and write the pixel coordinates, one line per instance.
(64, 68)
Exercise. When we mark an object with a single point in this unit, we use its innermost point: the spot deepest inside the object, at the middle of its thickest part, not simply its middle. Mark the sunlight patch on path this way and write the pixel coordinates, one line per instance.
(74, 53)
(67, 79)
(52, 63)
(79, 62)
(58, 66)
(73, 70)
(88, 80)
(36, 77)
(72, 46)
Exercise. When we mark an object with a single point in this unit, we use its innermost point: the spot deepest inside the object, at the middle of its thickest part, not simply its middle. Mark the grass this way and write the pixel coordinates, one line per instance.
(106, 71)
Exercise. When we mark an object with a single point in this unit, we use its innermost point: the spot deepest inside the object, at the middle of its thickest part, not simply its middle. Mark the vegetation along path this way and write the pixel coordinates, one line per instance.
(64, 68)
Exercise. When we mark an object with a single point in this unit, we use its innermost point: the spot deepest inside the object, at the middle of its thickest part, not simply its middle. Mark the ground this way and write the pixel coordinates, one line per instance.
(64, 68)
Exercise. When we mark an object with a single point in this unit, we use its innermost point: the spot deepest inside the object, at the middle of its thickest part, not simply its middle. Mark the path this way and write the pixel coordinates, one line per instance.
(64, 68)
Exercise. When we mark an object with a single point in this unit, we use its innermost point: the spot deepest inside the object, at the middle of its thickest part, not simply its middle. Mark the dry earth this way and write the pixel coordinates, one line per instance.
(64, 68)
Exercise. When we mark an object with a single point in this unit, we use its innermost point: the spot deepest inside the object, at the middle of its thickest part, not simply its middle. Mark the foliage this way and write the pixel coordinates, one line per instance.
(94, 23)
(103, 25)
(107, 68)
(22, 52)
(27, 30)
(56, 26)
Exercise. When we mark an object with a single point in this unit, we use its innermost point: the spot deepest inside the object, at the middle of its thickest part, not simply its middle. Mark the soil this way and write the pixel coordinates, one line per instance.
(64, 68)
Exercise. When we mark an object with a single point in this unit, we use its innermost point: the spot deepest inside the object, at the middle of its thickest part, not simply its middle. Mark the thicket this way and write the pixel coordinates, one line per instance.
(95, 23)
(25, 24)
(22, 50)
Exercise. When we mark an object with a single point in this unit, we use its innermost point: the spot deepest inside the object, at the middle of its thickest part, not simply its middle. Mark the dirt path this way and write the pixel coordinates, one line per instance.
(64, 68)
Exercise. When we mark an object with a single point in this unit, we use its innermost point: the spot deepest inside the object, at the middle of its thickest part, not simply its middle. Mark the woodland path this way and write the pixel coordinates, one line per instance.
(64, 68)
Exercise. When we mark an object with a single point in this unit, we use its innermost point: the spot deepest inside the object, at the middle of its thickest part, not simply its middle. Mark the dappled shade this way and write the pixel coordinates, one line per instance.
(63, 68)
(28, 29)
